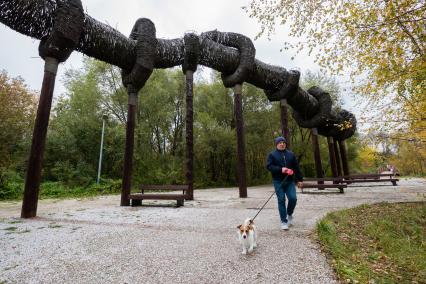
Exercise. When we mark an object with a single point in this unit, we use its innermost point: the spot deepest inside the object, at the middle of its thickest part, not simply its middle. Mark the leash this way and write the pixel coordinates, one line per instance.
(268, 200)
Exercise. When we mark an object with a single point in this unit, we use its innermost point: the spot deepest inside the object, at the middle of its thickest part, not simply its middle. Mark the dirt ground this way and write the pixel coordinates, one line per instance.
(96, 241)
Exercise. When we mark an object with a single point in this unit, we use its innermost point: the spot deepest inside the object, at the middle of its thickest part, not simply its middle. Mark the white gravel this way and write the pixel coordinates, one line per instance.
(97, 241)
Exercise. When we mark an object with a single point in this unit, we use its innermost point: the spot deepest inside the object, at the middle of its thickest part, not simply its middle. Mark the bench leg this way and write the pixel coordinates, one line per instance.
(136, 202)
(341, 190)
(394, 182)
(179, 203)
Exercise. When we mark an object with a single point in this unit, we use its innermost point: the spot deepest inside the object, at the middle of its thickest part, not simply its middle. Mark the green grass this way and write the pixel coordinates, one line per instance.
(10, 229)
(380, 243)
(14, 230)
(54, 226)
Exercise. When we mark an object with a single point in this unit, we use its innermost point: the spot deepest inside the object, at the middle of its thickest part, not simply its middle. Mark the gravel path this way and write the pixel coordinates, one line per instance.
(97, 241)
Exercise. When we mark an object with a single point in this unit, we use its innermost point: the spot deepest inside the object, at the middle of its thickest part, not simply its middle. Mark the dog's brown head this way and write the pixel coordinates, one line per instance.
(246, 227)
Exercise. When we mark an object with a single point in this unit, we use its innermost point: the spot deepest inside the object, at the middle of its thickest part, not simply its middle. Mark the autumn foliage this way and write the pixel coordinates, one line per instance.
(17, 112)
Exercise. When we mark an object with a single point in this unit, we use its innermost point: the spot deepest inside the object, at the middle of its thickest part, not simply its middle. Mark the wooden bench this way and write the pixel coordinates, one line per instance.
(371, 178)
(159, 192)
(323, 183)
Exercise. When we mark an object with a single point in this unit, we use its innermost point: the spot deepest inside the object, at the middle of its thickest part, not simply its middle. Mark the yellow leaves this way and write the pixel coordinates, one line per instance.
(367, 157)
(346, 124)
(384, 40)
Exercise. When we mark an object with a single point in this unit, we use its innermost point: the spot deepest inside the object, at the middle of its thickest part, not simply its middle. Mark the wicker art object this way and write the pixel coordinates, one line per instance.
(62, 27)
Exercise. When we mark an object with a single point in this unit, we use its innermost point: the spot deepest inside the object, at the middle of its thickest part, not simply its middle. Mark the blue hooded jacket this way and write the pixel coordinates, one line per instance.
(278, 159)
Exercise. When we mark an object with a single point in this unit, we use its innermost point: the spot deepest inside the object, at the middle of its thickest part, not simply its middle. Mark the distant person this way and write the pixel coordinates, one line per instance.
(284, 167)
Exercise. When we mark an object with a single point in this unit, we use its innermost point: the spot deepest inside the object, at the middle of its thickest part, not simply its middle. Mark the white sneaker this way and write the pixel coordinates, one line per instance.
(290, 220)
(284, 226)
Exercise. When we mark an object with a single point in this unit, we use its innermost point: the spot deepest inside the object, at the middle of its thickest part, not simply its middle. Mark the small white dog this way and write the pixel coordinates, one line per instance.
(247, 236)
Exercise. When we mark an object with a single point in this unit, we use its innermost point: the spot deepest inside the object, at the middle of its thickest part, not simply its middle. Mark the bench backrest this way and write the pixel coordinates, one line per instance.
(368, 176)
(169, 187)
(324, 179)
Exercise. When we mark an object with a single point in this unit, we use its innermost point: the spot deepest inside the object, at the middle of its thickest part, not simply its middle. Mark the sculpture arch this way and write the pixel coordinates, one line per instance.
(62, 26)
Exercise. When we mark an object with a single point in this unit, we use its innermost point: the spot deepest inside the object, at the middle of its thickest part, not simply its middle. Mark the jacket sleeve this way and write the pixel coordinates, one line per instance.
(297, 171)
(271, 166)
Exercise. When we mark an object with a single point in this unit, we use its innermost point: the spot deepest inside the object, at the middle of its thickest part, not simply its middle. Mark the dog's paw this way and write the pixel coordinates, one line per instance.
(244, 252)
(254, 245)
(250, 250)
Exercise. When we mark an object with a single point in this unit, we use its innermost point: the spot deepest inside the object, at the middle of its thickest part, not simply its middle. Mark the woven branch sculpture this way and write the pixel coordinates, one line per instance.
(63, 27)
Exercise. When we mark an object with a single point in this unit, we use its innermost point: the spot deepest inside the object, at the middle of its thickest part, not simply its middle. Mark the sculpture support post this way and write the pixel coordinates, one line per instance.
(317, 154)
(189, 134)
(338, 160)
(330, 142)
(284, 121)
(32, 180)
(242, 183)
(128, 154)
(343, 154)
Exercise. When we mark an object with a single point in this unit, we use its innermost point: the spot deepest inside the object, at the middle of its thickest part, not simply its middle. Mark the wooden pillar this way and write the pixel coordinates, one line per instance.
(338, 160)
(332, 155)
(189, 134)
(284, 122)
(242, 182)
(317, 154)
(343, 154)
(128, 153)
(33, 177)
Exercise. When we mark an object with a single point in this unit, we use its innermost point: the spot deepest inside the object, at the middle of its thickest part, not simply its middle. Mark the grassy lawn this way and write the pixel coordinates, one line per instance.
(380, 243)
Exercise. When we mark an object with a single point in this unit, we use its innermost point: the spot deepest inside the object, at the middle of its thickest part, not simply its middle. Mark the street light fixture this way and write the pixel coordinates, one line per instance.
(104, 118)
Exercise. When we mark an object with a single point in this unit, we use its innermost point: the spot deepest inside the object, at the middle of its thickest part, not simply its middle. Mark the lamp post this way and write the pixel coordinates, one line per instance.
(104, 118)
